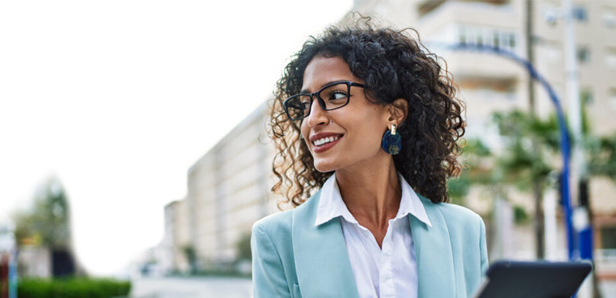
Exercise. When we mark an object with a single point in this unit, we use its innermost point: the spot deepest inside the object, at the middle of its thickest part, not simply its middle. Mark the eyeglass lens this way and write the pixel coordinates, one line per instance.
(333, 97)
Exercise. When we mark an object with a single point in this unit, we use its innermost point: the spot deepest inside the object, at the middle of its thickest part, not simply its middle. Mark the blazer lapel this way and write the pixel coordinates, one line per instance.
(321, 259)
(435, 271)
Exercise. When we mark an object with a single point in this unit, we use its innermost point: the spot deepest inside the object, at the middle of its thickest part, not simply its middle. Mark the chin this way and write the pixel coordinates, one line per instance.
(324, 167)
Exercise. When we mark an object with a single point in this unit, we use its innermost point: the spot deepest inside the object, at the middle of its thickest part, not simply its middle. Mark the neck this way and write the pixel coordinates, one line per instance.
(371, 192)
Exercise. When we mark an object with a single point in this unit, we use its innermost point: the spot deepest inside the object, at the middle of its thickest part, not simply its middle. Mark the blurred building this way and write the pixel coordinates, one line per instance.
(170, 255)
(151, 262)
(490, 83)
(175, 240)
(35, 262)
(228, 190)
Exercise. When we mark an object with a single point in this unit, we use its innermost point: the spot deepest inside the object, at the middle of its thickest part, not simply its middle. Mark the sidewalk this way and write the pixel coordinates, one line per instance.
(191, 287)
(225, 287)
(608, 288)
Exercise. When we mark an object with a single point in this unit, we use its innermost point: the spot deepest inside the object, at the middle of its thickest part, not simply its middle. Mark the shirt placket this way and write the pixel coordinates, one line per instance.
(375, 253)
(385, 267)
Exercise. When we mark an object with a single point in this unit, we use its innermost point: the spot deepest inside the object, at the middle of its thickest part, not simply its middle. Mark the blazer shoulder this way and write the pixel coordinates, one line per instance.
(455, 215)
(278, 227)
(275, 223)
(458, 213)
(450, 211)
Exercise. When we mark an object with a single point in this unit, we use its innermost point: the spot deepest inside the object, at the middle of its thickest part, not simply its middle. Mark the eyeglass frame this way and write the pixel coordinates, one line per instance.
(320, 100)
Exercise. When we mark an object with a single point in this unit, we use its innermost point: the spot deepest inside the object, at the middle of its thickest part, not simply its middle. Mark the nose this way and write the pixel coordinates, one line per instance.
(317, 115)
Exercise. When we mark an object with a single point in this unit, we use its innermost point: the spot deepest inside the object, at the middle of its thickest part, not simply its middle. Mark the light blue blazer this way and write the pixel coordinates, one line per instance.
(294, 258)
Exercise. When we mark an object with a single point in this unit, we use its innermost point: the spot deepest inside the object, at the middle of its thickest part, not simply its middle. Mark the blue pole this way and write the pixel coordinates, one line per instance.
(572, 243)
(13, 273)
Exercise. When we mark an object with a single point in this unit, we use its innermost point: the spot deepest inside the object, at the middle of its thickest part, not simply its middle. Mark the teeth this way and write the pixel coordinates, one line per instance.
(322, 141)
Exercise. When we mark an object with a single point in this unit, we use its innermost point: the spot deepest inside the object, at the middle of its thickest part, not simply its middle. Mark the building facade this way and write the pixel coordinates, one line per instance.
(228, 190)
(176, 243)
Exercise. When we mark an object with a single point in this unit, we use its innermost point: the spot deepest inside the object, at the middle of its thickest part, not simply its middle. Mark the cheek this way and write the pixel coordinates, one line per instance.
(374, 138)
(305, 131)
(371, 128)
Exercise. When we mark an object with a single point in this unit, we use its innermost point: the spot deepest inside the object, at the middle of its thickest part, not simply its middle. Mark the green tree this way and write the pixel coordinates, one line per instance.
(530, 153)
(477, 170)
(525, 162)
(243, 247)
(47, 222)
(191, 257)
(602, 156)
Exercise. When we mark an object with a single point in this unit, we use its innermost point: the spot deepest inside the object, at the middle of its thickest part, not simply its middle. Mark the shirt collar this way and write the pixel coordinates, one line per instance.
(331, 204)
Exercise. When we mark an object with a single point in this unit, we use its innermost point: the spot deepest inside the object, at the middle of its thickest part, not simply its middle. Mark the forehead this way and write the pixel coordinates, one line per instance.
(322, 70)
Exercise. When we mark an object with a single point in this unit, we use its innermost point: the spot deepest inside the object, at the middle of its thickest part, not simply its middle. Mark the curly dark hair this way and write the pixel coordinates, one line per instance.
(393, 65)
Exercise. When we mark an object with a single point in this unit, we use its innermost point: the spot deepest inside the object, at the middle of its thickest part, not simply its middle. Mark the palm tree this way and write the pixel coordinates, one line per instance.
(525, 162)
(531, 152)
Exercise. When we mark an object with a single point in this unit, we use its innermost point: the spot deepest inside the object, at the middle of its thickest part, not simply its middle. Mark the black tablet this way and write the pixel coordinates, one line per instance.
(510, 279)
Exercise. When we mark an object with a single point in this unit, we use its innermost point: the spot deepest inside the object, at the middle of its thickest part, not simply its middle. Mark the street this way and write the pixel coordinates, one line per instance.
(191, 287)
(225, 287)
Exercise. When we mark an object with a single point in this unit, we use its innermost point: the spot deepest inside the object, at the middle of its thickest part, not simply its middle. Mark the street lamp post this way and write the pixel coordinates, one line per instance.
(8, 246)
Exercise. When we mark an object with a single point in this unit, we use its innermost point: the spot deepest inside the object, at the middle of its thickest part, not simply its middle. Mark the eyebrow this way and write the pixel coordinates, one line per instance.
(328, 83)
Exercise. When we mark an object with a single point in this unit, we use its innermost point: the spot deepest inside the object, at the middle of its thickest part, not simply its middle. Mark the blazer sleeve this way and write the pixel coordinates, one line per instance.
(483, 248)
(268, 275)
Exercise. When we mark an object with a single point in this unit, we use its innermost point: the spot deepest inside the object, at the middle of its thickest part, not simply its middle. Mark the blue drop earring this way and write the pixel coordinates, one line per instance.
(392, 143)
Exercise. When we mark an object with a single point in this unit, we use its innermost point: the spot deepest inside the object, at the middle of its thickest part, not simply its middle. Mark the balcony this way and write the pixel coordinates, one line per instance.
(424, 7)
(470, 13)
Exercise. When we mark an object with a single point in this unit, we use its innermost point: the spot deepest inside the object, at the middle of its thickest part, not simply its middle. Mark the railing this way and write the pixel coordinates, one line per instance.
(605, 256)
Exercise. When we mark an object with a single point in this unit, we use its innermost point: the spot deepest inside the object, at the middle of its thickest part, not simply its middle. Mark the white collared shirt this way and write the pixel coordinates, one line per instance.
(387, 273)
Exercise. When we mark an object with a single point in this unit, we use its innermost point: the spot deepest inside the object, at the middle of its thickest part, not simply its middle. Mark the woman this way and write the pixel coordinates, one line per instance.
(366, 124)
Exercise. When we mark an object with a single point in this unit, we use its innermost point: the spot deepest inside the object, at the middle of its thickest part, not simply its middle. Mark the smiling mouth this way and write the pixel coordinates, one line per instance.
(323, 141)
(323, 144)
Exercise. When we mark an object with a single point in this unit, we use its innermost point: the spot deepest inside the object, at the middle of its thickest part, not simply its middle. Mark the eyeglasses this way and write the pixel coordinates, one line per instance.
(332, 96)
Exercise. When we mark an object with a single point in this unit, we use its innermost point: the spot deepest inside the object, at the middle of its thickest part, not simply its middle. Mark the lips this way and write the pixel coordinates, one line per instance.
(324, 141)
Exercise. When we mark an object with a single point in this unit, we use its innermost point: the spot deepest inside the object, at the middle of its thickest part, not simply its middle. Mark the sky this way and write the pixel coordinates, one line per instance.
(117, 99)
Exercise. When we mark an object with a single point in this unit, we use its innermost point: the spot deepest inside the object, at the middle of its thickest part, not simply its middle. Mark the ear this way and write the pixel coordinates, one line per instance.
(398, 110)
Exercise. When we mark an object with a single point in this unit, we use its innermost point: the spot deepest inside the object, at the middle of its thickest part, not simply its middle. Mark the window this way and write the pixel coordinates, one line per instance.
(609, 17)
(608, 237)
(487, 36)
(489, 93)
(512, 41)
(580, 14)
(612, 98)
(586, 96)
(583, 54)
(610, 58)
(507, 41)
(552, 53)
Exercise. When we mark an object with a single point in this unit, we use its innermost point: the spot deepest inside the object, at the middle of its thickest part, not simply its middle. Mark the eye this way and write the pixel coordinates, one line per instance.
(338, 95)
(297, 106)
(299, 102)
